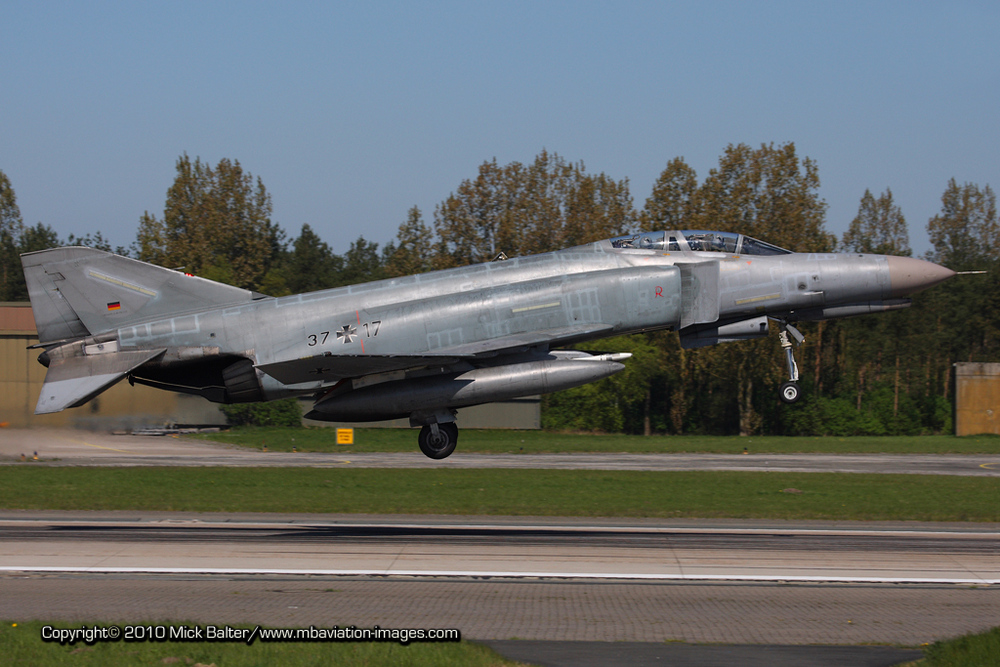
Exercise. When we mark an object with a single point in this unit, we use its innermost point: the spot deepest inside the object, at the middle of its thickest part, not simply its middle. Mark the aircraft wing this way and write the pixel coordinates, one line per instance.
(329, 367)
(340, 366)
(559, 336)
(72, 381)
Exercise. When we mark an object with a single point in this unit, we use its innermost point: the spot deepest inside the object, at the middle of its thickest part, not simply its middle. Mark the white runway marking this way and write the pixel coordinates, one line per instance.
(500, 575)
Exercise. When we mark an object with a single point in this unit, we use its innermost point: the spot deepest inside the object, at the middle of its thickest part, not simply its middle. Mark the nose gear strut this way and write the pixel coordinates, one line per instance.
(790, 392)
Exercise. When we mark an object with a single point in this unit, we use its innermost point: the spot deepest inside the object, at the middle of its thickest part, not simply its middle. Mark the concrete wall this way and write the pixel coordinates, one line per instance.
(977, 398)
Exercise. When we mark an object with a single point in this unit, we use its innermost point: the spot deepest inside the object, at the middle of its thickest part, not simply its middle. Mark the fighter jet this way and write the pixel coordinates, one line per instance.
(423, 346)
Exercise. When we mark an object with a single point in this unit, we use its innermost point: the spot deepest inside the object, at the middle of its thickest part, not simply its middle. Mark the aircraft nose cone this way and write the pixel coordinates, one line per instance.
(908, 275)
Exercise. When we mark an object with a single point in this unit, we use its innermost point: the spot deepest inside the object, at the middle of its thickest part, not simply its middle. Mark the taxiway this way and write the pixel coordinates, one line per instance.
(76, 448)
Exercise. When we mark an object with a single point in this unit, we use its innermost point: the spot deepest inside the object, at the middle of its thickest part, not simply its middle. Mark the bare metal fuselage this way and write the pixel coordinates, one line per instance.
(422, 346)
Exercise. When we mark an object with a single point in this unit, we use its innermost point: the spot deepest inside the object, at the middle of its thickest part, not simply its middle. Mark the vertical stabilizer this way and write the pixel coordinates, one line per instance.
(77, 291)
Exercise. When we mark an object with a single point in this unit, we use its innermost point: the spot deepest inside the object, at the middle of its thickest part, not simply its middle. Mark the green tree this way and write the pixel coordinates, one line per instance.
(98, 242)
(879, 227)
(622, 402)
(311, 264)
(767, 193)
(216, 222)
(518, 209)
(877, 345)
(965, 235)
(596, 207)
(285, 412)
(771, 194)
(362, 263)
(11, 230)
(892, 373)
(671, 204)
(17, 238)
(38, 237)
(413, 249)
(34, 238)
(961, 318)
(471, 223)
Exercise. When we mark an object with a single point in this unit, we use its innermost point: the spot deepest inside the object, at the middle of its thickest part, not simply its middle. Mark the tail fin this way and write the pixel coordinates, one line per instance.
(77, 291)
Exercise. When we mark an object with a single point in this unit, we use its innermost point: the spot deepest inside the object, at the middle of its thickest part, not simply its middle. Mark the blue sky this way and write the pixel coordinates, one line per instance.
(351, 113)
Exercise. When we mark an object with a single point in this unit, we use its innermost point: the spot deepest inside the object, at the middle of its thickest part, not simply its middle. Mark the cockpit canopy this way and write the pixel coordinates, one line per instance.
(698, 241)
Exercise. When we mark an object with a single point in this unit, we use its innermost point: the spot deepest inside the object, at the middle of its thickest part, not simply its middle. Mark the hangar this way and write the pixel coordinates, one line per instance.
(977, 398)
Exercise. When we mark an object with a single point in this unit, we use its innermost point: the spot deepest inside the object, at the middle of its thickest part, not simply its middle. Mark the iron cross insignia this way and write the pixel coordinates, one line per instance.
(347, 333)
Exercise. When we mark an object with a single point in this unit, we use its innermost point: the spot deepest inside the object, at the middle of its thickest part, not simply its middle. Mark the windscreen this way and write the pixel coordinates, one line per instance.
(697, 241)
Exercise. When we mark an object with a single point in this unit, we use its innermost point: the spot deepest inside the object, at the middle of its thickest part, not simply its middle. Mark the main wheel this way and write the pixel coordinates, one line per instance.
(440, 446)
(790, 392)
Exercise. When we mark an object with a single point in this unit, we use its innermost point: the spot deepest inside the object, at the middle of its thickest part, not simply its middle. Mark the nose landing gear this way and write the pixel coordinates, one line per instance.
(790, 392)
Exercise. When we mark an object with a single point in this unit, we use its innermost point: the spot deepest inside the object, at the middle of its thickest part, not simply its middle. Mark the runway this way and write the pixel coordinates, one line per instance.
(755, 584)
(71, 448)
(796, 552)
(793, 583)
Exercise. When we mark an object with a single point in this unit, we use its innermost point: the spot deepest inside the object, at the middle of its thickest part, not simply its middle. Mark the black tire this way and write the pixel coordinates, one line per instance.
(790, 392)
(443, 445)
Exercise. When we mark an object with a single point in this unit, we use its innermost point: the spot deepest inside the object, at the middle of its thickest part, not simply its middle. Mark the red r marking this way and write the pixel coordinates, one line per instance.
(360, 337)
(659, 292)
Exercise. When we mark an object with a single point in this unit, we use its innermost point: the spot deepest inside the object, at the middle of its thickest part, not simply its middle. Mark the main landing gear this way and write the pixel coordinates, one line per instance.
(438, 433)
(438, 440)
(790, 392)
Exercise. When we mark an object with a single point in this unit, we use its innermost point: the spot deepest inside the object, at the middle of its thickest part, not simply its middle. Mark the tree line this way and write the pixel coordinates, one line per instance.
(881, 374)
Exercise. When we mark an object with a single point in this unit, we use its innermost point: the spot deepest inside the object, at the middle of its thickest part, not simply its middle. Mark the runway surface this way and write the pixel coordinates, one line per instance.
(448, 548)
(73, 448)
(556, 580)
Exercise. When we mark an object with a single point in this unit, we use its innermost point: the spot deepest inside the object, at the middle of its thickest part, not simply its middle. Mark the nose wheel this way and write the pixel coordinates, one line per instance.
(790, 392)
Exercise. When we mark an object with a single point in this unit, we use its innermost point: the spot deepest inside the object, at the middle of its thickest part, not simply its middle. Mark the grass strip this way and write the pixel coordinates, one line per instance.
(22, 645)
(982, 649)
(539, 442)
(855, 497)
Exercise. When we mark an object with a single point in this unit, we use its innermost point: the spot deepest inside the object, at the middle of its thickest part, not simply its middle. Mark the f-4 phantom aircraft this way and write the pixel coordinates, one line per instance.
(425, 345)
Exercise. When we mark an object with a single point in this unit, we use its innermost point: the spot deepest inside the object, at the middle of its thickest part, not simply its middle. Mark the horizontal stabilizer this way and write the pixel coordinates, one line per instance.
(72, 381)
(330, 367)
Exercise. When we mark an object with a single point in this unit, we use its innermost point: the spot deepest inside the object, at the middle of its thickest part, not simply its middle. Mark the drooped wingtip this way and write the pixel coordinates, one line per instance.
(908, 275)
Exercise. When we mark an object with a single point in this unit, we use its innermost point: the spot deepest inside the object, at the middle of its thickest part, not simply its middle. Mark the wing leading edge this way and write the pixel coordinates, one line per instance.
(331, 367)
